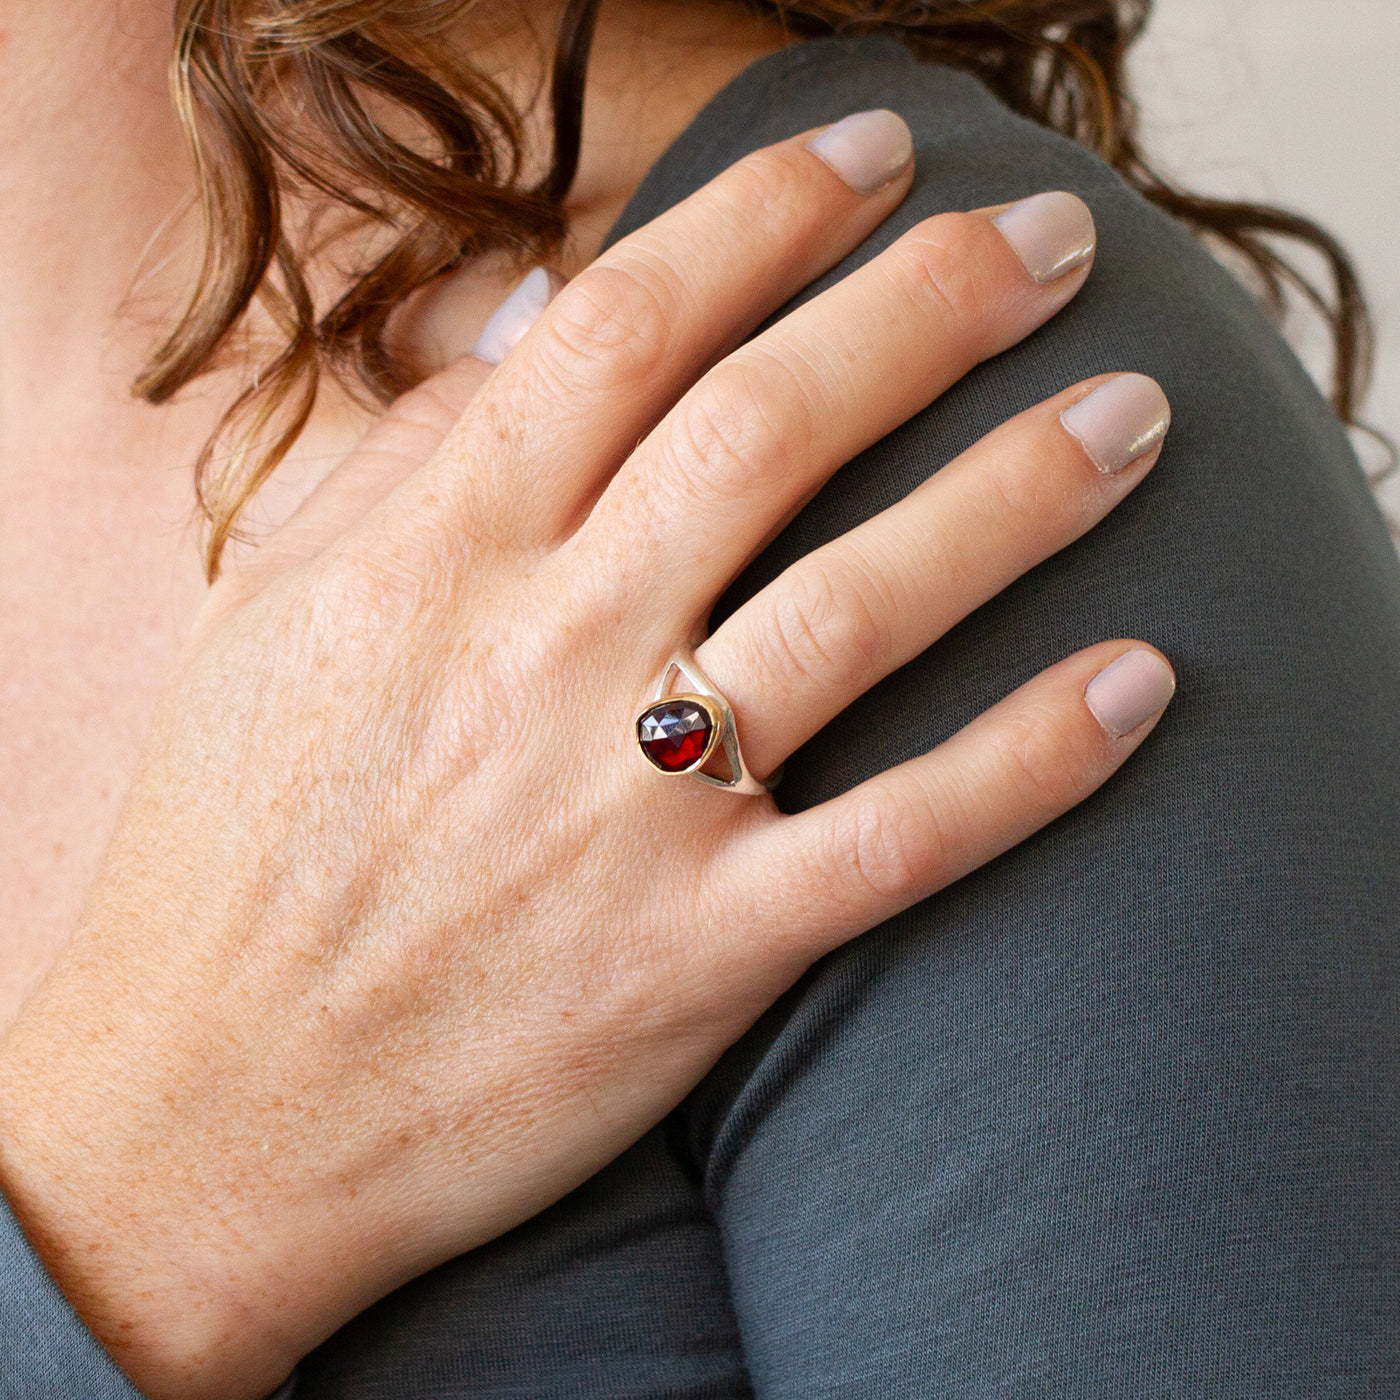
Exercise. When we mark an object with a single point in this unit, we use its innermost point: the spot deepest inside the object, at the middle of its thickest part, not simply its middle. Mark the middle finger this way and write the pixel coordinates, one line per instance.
(762, 431)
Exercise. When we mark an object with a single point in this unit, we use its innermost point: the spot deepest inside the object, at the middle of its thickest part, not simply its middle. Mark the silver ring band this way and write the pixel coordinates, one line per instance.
(681, 729)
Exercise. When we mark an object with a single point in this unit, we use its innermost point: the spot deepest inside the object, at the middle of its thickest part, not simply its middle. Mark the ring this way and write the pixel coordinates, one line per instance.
(679, 732)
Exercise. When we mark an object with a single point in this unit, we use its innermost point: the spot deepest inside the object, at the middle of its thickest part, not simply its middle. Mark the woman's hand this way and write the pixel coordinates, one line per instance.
(400, 938)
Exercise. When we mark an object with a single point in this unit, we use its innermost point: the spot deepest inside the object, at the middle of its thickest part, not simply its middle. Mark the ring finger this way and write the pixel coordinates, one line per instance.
(847, 614)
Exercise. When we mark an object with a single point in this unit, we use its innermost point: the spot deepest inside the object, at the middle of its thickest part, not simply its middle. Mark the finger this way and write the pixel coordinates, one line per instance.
(398, 444)
(760, 433)
(847, 614)
(417, 423)
(839, 868)
(632, 331)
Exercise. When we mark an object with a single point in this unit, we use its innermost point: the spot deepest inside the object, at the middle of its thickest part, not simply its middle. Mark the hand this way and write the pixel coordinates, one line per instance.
(400, 938)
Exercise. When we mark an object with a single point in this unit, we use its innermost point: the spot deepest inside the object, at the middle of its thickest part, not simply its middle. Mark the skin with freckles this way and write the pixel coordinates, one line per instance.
(366, 884)
(100, 574)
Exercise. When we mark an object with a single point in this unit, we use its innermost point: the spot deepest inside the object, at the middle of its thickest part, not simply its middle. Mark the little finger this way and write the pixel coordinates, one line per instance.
(824, 875)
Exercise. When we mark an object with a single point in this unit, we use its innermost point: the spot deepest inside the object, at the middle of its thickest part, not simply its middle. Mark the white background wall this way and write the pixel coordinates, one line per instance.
(1296, 102)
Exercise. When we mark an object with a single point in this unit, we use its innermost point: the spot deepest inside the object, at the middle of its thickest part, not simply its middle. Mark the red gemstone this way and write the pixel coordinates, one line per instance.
(674, 734)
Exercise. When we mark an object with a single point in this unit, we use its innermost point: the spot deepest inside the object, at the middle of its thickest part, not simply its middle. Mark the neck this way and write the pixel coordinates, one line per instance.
(91, 165)
(94, 178)
(654, 65)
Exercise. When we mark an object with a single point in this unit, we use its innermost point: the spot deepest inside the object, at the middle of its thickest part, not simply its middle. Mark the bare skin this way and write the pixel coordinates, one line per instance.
(100, 573)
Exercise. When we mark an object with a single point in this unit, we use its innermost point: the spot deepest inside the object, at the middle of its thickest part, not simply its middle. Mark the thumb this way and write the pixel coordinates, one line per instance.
(396, 445)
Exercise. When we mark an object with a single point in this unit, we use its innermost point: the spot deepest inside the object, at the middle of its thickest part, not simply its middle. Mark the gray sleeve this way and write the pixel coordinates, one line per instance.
(1119, 1113)
(48, 1353)
(45, 1351)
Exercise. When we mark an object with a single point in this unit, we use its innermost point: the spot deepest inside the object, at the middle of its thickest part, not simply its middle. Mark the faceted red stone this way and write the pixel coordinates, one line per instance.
(673, 734)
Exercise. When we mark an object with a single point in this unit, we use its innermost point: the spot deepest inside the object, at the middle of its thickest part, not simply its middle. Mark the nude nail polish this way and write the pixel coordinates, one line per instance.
(1130, 691)
(867, 150)
(1051, 233)
(516, 314)
(1119, 421)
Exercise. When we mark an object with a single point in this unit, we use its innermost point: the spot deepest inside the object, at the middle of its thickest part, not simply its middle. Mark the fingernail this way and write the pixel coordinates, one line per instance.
(1130, 691)
(516, 314)
(1052, 233)
(866, 150)
(1120, 421)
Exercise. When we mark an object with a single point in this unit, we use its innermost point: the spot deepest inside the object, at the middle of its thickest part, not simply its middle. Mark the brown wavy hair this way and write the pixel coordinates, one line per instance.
(352, 104)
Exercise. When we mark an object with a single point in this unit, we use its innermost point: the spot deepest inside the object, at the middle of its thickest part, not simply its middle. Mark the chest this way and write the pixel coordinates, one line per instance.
(100, 580)
(91, 613)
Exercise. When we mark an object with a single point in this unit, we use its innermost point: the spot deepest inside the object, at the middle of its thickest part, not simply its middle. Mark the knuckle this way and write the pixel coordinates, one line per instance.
(371, 593)
(763, 189)
(376, 587)
(731, 426)
(885, 846)
(824, 626)
(1038, 754)
(617, 318)
(425, 406)
(1011, 487)
(1025, 494)
(943, 266)
(415, 425)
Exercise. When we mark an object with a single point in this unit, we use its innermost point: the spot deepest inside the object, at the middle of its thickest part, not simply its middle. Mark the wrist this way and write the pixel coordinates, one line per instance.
(173, 1298)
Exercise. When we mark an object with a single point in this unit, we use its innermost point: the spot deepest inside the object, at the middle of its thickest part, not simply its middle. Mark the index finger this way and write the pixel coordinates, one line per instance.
(621, 342)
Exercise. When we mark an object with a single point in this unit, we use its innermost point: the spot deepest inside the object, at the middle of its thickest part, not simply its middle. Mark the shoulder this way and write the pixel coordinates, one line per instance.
(1219, 898)
(823, 80)
(971, 150)
(1252, 549)
(1157, 301)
